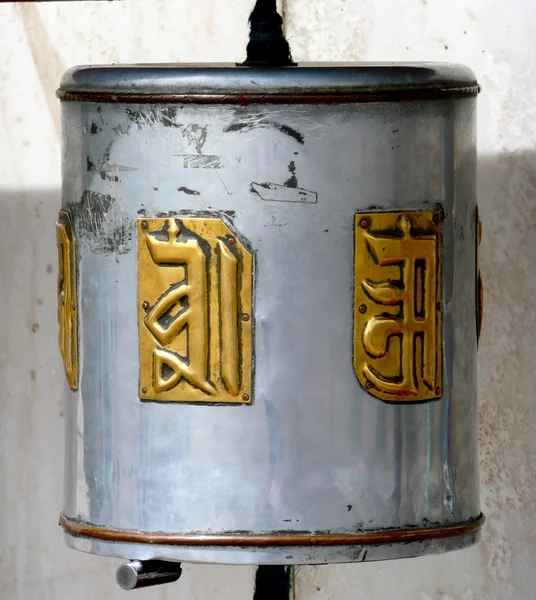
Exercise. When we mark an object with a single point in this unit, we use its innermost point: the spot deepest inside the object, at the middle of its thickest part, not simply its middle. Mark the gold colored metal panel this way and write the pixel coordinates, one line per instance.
(195, 286)
(397, 305)
(67, 304)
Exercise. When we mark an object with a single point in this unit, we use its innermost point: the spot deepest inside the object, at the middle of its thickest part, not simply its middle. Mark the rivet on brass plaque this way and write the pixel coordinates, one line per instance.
(397, 305)
(67, 304)
(195, 283)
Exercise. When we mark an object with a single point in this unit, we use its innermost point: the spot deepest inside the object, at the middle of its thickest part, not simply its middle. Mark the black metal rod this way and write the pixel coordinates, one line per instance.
(273, 582)
(267, 45)
(146, 573)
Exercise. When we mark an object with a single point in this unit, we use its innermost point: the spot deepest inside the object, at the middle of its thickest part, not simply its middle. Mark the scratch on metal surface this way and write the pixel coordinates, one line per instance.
(261, 120)
(106, 169)
(106, 228)
(195, 135)
(226, 189)
(200, 161)
(154, 115)
(273, 192)
(110, 167)
(188, 191)
(121, 129)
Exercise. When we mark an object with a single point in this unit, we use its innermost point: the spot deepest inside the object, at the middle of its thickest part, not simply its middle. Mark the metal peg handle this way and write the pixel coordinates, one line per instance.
(137, 573)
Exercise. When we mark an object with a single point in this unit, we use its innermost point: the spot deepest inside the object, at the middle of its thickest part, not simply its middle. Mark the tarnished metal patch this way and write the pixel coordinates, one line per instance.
(195, 285)
(67, 305)
(397, 305)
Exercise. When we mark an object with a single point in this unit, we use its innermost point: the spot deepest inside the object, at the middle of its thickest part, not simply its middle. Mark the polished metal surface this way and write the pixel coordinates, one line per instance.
(314, 453)
(276, 556)
(138, 574)
(346, 78)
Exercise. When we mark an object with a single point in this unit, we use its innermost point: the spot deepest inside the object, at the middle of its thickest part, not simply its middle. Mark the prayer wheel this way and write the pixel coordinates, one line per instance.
(269, 310)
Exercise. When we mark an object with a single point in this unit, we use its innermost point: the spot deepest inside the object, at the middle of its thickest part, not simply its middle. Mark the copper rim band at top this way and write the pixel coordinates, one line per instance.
(245, 99)
(386, 536)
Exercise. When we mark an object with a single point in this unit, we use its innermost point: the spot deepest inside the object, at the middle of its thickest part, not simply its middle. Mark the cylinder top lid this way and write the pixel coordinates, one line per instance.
(228, 83)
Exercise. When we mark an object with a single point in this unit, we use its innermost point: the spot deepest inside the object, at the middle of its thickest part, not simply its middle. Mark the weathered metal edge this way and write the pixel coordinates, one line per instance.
(386, 536)
(393, 95)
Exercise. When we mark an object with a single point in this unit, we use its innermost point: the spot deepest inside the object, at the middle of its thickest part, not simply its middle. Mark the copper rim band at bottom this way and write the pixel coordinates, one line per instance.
(385, 536)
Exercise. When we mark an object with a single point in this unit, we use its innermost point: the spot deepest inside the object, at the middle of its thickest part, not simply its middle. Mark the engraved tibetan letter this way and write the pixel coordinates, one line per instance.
(397, 336)
(195, 282)
(183, 305)
(67, 303)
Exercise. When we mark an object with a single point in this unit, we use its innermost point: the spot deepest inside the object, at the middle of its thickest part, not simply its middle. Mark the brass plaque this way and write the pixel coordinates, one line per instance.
(67, 306)
(397, 305)
(195, 285)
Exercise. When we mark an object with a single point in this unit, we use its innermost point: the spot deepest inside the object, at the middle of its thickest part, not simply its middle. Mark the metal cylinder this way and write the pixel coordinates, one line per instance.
(137, 574)
(268, 312)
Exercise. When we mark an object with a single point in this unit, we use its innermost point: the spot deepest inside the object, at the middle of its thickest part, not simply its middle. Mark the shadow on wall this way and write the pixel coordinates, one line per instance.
(507, 360)
(28, 260)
